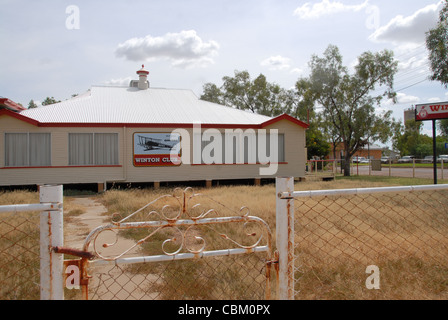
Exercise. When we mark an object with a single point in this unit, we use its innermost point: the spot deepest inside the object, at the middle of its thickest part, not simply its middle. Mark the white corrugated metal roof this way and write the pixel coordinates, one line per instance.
(106, 104)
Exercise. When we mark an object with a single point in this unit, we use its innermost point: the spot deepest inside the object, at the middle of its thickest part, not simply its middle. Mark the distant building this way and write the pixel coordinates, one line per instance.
(371, 151)
(391, 154)
(409, 114)
(124, 134)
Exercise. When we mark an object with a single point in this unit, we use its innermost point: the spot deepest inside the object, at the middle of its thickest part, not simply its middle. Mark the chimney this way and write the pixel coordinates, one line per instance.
(143, 83)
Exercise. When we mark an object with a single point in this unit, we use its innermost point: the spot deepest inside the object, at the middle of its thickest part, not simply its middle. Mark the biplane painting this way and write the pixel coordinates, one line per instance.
(156, 149)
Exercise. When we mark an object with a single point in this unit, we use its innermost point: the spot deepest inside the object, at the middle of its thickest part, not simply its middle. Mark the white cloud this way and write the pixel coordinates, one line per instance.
(119, 81)
(297, 71)
(184, 49)
(417, 63)
(403, 98)
(276, 63)
(326, 7)
(410, 29)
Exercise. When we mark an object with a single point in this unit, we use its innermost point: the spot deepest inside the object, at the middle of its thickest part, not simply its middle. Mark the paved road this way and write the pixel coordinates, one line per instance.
(402, 172)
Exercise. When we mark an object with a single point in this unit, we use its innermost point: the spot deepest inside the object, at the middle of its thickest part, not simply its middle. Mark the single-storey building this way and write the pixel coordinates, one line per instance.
(371, 151)
(138, 133)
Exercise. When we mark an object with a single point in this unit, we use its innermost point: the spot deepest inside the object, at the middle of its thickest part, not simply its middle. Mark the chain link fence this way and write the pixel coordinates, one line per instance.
(198, 251)
(181, 246)
(404, 235)
(216, 278)
(28, 270)
(343, 241)
(19, 256)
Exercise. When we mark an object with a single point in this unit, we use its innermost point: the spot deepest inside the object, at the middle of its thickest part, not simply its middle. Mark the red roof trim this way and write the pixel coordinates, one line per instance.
(64, 167)
(18, 116)
(285, 117)
(235, 164)
(11, 104)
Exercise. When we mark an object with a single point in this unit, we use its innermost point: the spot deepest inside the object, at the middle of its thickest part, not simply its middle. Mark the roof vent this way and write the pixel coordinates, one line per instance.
(143, 83)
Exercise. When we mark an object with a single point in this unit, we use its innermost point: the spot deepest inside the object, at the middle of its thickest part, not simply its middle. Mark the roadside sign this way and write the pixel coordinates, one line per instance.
(431, 111)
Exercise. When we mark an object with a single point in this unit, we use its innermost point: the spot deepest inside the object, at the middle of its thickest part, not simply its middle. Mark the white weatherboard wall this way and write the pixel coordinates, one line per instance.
(60, 172)
(124, 111)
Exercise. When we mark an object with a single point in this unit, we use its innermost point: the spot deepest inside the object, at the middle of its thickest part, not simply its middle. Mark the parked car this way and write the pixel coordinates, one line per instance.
(405, 159)
(385, 159)
(360, 160)
(443, 157)
(428, 159)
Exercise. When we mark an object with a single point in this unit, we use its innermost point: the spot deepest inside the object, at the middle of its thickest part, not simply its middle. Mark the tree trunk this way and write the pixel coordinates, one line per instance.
(347, 167)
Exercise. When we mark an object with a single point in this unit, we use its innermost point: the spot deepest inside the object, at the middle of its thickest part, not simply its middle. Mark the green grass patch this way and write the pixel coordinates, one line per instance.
(397, 181)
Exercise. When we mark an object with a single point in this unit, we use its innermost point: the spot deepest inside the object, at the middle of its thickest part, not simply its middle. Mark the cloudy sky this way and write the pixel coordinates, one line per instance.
(60, 48)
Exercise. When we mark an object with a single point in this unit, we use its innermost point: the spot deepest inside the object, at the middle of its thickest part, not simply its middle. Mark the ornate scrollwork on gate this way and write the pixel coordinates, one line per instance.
(180, 225)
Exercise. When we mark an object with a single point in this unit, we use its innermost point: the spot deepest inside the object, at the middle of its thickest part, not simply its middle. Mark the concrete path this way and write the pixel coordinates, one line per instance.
(121, 284)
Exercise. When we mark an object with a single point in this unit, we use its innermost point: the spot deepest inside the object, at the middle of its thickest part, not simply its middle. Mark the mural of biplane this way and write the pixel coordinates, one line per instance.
(152, 143)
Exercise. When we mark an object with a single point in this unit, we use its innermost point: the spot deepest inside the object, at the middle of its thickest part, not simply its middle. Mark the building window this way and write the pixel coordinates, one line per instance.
(280, 147)
(27, 149)
(106, 148)
(86, 149)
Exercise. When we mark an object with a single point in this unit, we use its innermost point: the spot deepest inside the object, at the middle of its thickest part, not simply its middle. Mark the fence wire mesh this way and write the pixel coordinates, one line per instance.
(216, 278)
(183, 223)
(19, 256)
(404, 234)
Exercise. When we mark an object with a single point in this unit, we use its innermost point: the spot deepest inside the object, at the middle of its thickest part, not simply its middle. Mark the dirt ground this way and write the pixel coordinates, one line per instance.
(77, 228)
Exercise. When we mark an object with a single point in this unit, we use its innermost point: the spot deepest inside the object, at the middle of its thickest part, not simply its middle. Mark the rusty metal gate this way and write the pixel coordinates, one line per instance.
(188, 246)
(182, 245)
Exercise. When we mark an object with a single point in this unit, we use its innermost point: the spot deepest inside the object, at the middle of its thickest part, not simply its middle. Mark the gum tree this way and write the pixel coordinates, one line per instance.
(437, 44)
(263, 97)
(349, 105)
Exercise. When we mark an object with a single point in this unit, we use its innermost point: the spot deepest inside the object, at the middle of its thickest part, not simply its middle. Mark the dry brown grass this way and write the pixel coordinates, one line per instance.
(19, 246)
(212, 278)
(338, 238)
(19, 249)
(404, 234)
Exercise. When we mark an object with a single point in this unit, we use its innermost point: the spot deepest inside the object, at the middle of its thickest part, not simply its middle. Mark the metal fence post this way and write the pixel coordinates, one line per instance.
(51, 235)
(413, 168)
(441, 166)
(285, 238)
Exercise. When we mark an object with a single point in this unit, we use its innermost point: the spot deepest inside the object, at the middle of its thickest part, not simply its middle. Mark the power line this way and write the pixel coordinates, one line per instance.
(414, 84)
(413, 70)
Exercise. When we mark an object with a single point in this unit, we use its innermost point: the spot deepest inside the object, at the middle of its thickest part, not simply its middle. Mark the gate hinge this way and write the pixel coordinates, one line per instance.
(74, 252)
(275, 259)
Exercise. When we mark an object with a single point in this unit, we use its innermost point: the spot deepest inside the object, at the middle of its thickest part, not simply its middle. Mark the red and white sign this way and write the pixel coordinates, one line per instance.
(156, 149)
(156, 160)
(431, 111)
